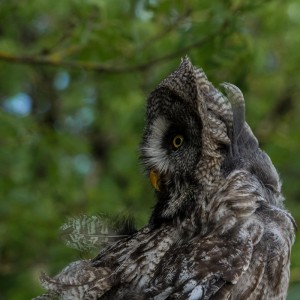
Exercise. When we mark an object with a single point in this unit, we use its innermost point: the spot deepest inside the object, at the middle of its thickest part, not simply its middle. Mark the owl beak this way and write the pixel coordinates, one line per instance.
(154, 179)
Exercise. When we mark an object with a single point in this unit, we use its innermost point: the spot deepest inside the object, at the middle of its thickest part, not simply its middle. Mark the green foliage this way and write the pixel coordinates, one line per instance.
(74, 77)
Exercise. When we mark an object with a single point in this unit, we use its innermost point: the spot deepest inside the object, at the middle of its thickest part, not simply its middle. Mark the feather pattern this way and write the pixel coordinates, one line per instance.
(219, 229)
(86, 233)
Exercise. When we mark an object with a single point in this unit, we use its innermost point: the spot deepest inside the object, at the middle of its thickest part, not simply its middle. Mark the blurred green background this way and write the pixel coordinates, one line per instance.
(74, 76)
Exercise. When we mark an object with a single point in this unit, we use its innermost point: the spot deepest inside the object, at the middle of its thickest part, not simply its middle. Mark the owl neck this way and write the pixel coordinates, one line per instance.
(177, 204)
(195, 210)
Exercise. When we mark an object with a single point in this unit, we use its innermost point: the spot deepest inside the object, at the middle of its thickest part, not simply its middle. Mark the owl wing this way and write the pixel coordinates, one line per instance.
(204, 268)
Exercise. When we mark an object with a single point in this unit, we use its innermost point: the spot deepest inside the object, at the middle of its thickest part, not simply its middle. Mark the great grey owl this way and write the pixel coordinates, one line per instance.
(218, 230)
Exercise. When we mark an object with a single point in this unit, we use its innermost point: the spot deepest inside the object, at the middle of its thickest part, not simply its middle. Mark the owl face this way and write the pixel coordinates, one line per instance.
(172, 140)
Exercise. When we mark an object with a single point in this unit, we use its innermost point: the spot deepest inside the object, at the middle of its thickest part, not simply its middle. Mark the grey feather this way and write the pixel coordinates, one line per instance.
(85, 233)
(219, 229)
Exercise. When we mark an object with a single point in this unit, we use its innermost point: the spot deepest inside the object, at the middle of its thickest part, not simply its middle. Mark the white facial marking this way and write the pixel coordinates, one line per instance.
(157, 156)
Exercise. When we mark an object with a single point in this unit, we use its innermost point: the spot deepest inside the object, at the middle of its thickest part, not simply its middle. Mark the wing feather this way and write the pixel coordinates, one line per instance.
(207, 267)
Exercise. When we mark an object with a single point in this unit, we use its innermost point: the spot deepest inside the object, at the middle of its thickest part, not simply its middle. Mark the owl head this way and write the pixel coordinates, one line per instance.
(194, 136)
(187, 130)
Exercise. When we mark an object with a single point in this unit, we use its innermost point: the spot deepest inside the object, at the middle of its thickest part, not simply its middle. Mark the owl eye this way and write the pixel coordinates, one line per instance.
(177, 141)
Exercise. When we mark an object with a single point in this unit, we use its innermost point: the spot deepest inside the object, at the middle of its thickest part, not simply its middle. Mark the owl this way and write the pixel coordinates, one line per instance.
(218, 230)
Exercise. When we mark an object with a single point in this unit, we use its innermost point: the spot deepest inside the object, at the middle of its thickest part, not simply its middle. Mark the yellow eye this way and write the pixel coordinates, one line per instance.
(177, 141)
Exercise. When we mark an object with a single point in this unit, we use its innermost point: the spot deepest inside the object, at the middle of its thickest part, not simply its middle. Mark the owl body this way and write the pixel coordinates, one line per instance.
(218, 230)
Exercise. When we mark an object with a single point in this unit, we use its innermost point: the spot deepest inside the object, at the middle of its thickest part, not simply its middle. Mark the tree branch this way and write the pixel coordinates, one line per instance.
(56, 61)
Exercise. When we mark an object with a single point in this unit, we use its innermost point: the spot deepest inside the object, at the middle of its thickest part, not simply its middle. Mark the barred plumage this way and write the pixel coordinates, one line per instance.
(218, 230)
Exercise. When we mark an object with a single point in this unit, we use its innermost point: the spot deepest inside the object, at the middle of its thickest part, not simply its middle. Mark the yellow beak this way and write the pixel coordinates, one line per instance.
(154, 179)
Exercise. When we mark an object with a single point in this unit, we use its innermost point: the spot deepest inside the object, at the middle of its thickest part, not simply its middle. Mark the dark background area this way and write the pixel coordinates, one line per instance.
(74, 77)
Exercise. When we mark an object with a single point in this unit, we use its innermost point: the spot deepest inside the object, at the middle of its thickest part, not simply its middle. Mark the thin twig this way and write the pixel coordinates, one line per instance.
(166, 30)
